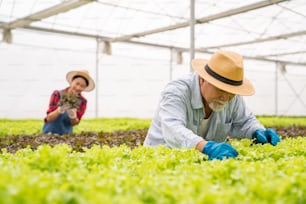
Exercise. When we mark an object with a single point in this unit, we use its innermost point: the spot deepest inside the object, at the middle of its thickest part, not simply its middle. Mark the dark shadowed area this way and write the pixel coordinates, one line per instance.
(131, 138)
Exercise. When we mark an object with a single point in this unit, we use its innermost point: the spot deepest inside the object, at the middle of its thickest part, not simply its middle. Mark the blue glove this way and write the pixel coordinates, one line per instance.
(265, 136)
(216, 150)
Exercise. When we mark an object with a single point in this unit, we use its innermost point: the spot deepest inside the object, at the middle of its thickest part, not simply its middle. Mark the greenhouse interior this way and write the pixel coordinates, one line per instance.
(133, 48)
(200, 144)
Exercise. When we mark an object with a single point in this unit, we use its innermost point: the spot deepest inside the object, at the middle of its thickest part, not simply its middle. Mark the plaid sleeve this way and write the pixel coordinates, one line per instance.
(54, 100)
(82, 108)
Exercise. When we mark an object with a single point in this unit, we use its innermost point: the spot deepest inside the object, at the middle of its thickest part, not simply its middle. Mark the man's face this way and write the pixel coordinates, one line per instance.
(214, 97)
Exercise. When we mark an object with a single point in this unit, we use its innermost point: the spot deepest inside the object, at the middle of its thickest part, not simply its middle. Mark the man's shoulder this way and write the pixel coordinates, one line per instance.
(182, 81)
(236, 103)
(236, 99)
(181, 84)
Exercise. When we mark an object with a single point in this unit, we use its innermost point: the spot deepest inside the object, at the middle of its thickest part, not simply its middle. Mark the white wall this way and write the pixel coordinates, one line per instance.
(129, 80)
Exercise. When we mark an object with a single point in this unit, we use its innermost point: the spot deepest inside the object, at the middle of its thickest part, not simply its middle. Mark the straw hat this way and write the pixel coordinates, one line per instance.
(83, 73)
(225, 71)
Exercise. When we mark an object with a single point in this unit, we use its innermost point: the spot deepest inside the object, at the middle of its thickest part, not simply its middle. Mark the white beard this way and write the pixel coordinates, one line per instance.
(217, 106)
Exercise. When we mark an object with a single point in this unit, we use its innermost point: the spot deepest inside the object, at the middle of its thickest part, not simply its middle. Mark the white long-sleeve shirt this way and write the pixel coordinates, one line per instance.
(180, 111)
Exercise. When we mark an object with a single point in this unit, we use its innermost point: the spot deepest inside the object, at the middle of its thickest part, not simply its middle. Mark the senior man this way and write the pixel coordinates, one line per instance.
(206, 107)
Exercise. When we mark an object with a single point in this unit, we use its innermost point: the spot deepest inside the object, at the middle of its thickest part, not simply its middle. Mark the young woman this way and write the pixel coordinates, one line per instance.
(62, 115)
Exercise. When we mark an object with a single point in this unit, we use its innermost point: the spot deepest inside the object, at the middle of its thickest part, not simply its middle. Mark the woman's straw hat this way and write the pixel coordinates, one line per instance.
(225, 71)
(83, 73)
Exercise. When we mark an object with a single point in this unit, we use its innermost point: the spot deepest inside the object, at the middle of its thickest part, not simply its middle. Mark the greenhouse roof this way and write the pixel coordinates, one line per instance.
(264, 30)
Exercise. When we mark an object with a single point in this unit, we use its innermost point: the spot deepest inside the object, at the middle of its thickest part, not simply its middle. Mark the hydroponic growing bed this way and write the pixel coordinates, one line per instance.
(113, 167)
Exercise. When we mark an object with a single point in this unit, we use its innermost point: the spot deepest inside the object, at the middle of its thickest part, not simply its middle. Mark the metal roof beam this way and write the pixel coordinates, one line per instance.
(201, 20)
(62, 32)
(59, 8)
(103, 38)
(282, 54)
(274, 60)
(271, 38)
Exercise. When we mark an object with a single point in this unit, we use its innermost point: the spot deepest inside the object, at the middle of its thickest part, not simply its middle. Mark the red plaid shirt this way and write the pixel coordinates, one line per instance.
(55, 99)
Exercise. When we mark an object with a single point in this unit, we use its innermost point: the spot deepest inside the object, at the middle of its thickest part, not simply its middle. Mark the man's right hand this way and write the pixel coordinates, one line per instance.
(216, 150)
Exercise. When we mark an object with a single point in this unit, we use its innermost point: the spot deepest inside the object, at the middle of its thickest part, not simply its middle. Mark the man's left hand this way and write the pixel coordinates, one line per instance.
(266, 136)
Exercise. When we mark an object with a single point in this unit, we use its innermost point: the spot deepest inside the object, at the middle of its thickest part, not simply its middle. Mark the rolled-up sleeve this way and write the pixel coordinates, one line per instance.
(170, 124)
(173, 116)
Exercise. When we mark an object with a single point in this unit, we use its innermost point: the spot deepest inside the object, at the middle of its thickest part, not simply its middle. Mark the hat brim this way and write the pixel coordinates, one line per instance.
(91, 83)
(245, 89)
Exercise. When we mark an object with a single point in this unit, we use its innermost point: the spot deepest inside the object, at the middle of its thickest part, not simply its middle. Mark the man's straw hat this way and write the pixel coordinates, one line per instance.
(83, 73)
(225, 71)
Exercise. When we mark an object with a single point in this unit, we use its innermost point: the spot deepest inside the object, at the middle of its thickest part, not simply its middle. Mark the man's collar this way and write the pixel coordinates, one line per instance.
(196, 97)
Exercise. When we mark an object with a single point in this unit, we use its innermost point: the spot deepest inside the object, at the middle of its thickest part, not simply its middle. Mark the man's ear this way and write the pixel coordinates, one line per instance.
(201, 80)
